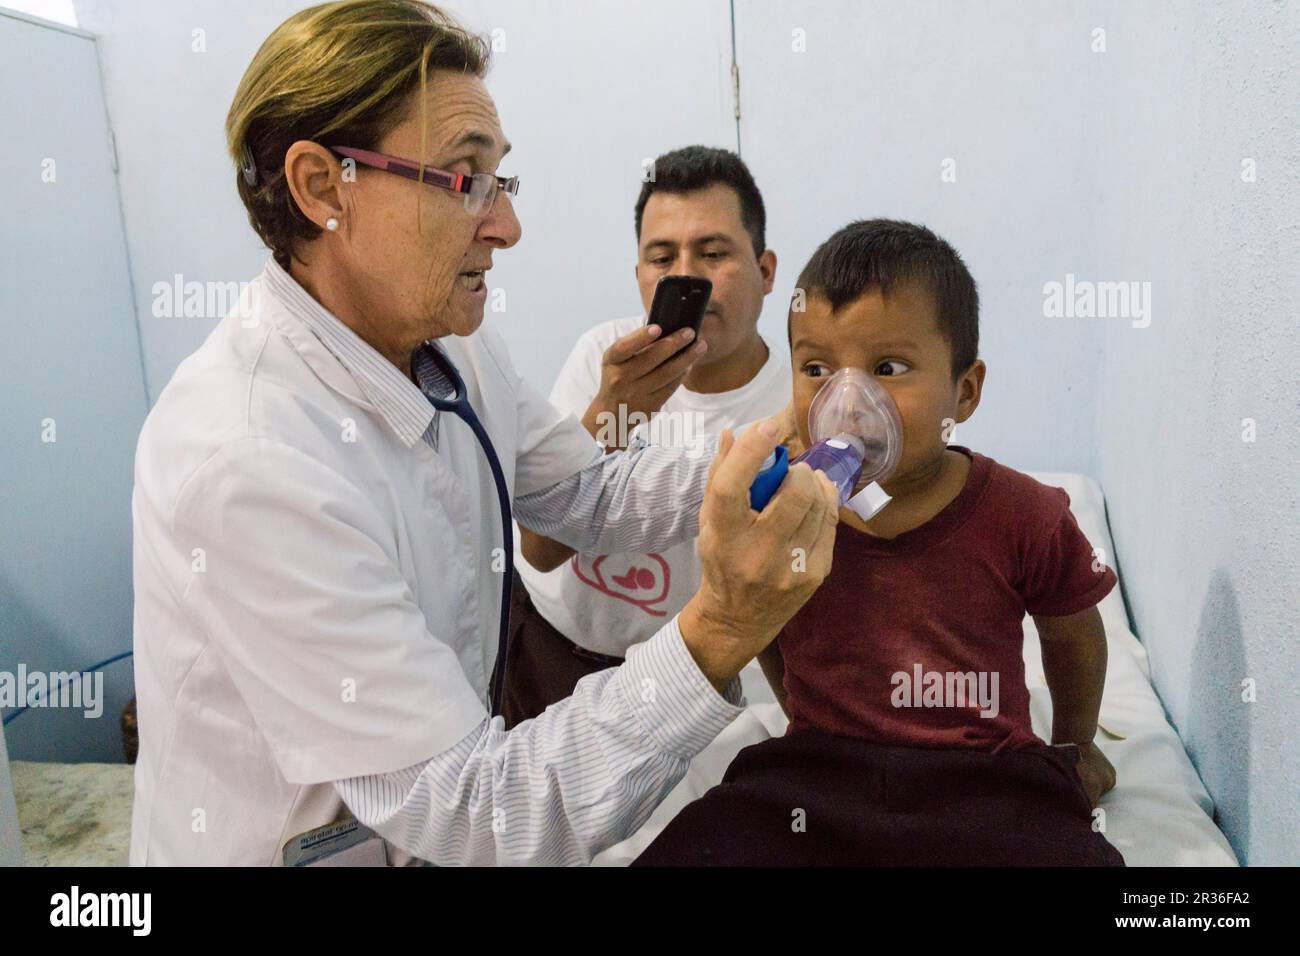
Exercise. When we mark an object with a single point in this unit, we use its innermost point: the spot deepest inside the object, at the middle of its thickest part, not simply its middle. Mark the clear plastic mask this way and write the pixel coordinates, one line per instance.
(853, 406)
(857, 438)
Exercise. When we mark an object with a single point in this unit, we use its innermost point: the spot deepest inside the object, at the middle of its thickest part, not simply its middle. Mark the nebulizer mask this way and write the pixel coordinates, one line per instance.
(857, 440)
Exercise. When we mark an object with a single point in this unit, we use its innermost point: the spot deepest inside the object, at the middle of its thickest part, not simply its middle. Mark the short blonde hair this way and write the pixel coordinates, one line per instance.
(338, 70)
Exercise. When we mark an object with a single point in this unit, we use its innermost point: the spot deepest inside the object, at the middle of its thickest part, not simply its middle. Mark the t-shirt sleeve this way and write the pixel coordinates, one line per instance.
(579, 378)
(1061, 575)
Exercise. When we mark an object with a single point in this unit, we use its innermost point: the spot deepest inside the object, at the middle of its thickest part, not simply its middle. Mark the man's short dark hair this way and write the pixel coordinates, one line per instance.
(885, 253)
(697, 167)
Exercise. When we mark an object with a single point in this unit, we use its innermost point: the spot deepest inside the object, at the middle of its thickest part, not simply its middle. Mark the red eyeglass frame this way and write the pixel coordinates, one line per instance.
(456, 182)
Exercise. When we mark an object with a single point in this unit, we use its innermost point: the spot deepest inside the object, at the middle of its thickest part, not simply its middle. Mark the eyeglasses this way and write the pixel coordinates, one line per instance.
(480, 190)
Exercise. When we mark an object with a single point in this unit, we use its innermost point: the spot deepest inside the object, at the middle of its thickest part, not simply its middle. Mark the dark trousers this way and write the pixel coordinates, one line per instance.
(810, 799)
(542, 665)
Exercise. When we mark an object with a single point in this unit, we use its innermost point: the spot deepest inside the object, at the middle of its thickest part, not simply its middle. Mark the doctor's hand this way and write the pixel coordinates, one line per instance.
(789, 437)
(758, 567)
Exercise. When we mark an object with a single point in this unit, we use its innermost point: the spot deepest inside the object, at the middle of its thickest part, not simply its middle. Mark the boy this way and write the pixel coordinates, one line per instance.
(910, 739)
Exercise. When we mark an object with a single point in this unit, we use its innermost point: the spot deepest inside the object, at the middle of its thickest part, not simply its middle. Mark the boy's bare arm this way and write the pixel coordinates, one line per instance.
(1074, 663)
(774, 670)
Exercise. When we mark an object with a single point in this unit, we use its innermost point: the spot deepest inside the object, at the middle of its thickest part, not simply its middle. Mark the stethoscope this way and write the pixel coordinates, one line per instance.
(433, 368)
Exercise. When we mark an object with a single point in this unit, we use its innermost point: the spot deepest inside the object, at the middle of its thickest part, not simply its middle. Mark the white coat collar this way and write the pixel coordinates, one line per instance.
(342, 359)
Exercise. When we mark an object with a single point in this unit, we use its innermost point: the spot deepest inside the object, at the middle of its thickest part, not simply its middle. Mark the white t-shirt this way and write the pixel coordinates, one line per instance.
(608, 602)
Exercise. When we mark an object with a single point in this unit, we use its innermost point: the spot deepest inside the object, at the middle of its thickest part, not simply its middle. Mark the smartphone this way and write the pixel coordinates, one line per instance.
(679, 301)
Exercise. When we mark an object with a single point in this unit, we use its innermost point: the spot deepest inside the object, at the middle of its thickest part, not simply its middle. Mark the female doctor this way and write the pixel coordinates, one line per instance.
(323, 495)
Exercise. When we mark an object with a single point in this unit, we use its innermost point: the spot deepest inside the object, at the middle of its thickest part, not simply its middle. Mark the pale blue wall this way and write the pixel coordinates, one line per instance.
(1205, 524)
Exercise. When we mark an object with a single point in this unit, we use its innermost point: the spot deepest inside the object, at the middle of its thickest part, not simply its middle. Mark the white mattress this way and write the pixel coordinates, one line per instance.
(1159, 813)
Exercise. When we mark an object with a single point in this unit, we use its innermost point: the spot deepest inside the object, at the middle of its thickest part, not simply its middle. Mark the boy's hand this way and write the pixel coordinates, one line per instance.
(1095, 772)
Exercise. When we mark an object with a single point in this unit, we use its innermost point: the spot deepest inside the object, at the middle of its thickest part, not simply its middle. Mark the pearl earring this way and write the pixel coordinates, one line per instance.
(332, 224)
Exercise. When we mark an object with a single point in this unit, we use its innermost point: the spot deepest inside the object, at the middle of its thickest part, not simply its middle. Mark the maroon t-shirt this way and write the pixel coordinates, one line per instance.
(916, 640)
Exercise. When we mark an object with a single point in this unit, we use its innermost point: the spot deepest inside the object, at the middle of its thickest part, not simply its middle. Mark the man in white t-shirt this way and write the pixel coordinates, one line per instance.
(702, 215)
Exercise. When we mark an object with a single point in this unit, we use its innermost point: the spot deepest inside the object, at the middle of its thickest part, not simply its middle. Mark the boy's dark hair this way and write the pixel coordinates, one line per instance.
(697, 167)
(887, 253)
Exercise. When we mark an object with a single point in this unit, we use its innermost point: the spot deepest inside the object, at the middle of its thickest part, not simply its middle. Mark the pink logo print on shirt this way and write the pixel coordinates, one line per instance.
(637, 584)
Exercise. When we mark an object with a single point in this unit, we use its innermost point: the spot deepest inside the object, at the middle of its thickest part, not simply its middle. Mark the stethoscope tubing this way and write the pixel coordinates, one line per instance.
(461, 408)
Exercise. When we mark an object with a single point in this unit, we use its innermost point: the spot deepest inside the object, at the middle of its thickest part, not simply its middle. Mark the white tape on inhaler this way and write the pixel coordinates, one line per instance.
(866, 504)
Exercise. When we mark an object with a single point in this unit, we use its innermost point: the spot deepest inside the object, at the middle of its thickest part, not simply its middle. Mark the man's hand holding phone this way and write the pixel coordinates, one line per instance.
(643, 368)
